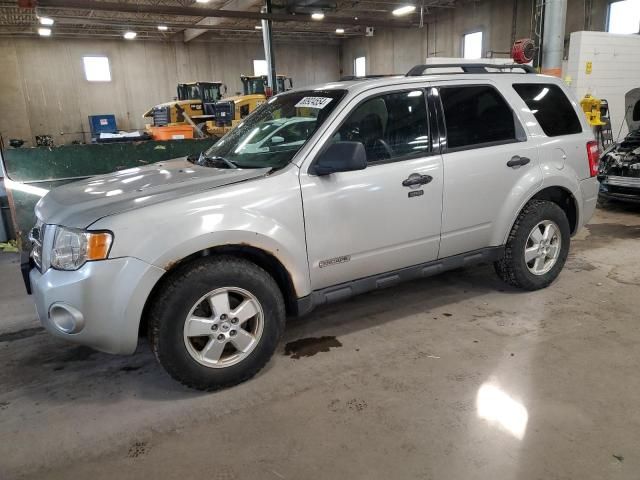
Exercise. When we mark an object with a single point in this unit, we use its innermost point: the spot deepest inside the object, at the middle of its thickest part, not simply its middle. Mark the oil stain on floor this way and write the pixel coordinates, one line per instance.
(308, 347)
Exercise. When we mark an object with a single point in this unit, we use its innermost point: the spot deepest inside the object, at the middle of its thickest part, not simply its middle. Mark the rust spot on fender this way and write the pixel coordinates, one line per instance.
(170, 265)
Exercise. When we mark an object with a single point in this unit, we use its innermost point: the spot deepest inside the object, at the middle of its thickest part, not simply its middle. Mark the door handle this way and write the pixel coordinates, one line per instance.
(518, 161)
(416, 179)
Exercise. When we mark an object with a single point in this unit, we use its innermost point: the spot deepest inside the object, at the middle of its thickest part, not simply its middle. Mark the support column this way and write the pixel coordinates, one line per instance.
(555, 19)
(267, 39)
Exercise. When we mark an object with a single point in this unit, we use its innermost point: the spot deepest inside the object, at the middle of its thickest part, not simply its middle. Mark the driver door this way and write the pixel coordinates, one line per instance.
(366, 222)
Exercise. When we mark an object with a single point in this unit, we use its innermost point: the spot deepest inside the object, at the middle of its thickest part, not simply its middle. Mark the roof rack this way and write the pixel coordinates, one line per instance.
(347, 78)
(418, 70)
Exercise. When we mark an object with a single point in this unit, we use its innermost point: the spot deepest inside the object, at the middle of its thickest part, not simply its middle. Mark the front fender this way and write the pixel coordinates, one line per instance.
(278, 248)
(265, 214)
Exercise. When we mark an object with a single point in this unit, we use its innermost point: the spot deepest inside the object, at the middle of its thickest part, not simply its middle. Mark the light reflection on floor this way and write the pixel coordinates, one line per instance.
(498, 408)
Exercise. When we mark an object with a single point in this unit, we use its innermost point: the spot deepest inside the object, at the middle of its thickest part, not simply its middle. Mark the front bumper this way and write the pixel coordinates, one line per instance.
(110, 295)
(626, 189)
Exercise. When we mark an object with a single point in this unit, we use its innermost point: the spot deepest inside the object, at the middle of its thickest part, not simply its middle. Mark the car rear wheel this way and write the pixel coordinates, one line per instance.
(537, 247)
(216, 322)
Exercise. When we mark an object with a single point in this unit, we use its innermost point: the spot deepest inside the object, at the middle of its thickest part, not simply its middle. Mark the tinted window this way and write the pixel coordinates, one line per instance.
(476, 115)
(551, 107)
(390, 126)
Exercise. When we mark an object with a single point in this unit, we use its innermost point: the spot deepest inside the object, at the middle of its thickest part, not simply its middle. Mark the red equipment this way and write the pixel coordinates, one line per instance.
(523, 50)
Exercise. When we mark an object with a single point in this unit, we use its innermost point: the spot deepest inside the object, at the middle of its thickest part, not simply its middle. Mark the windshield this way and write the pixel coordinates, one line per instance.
(277, 130)
(253, 86)
(188, 92)
(211, 93)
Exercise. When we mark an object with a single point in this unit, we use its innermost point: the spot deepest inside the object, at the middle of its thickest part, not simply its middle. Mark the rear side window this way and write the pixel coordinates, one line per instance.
(476, 115)
(551, 107)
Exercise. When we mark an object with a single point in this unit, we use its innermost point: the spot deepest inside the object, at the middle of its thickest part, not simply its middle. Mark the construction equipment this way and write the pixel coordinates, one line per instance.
(232, 110)
(597, 112)
(193, 106)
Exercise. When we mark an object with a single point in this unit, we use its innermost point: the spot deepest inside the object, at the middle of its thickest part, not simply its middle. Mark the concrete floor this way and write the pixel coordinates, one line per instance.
(453, 377)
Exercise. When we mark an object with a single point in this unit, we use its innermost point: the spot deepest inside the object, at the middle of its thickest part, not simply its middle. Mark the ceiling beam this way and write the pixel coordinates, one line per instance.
(239, 5)
(69, 20)
(329, 19)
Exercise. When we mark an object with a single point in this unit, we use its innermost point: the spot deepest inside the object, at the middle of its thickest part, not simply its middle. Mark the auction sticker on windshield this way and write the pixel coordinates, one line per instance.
(314, 102)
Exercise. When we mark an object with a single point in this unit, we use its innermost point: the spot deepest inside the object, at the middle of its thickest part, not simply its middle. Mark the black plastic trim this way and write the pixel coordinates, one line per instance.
(388, 279)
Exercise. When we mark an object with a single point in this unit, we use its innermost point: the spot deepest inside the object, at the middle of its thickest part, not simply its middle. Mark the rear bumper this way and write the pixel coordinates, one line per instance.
(107, 297)
(589, 189)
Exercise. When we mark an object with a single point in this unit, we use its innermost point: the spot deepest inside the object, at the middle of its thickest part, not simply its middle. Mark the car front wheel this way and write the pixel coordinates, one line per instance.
(216, 322)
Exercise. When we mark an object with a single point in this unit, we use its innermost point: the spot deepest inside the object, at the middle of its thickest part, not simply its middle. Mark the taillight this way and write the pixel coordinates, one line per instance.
(593, 154)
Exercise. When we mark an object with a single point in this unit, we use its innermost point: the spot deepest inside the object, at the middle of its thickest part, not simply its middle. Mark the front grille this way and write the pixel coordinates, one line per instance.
(161, 116)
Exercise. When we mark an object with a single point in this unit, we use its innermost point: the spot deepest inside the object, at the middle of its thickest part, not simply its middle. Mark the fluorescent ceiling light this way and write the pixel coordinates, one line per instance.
(130, 35)
(163, 28)
(258, 27)
(339, 31)
(404, 10)
(44, 32)
(317, 15)
(46, 21)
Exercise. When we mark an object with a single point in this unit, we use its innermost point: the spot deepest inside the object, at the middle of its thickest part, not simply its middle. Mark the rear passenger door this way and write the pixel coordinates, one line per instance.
(489, 163)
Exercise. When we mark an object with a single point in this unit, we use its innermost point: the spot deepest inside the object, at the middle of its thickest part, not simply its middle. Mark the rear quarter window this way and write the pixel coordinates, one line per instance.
(551, 107)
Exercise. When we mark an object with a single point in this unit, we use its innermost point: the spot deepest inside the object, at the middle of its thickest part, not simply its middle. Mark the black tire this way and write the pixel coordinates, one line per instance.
(178, 294)
(512, 268)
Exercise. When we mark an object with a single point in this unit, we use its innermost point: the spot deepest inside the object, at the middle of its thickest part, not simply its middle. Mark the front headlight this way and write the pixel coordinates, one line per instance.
(73, 248)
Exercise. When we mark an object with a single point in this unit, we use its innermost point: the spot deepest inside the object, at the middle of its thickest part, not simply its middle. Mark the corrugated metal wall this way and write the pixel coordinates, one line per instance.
(44, 91)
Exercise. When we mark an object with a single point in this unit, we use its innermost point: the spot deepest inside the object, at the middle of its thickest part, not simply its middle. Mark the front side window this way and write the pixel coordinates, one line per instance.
(277, 130)
(476, 115)
(551, 107)
(390, 126)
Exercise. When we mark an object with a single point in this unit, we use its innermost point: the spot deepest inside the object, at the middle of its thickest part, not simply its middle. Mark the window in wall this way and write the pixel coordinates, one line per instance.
(260, 67)
(96, 69)
(551, 107)
(472, 45)
(360, 66)
(392, 126)
(476, 115)
(624, 17)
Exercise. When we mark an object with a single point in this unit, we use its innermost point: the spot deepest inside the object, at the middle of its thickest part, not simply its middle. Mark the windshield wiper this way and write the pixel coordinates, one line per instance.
(205, 161)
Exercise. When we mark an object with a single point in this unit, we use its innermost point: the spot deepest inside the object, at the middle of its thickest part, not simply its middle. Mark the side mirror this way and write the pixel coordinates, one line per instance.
(340, 157)
(275, 140)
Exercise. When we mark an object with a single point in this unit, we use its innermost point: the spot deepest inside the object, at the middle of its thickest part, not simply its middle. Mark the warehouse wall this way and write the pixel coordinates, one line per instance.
(45, 91)
(397, 50)
(615, 69)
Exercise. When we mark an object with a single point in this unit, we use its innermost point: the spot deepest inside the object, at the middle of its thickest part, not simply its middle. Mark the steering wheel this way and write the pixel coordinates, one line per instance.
(382, 149)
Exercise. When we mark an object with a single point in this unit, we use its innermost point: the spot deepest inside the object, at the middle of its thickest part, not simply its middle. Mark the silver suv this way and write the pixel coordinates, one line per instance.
(319, 195)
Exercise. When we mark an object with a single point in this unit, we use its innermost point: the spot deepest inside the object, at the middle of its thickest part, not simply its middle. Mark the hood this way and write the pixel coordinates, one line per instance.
(80, 204)
(632, 109)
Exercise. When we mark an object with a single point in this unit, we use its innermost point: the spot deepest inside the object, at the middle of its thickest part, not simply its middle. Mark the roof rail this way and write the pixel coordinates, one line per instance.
(418, 70)
(346, 78)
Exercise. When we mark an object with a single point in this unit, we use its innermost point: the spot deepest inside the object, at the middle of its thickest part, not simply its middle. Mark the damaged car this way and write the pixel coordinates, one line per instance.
(619, 170)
